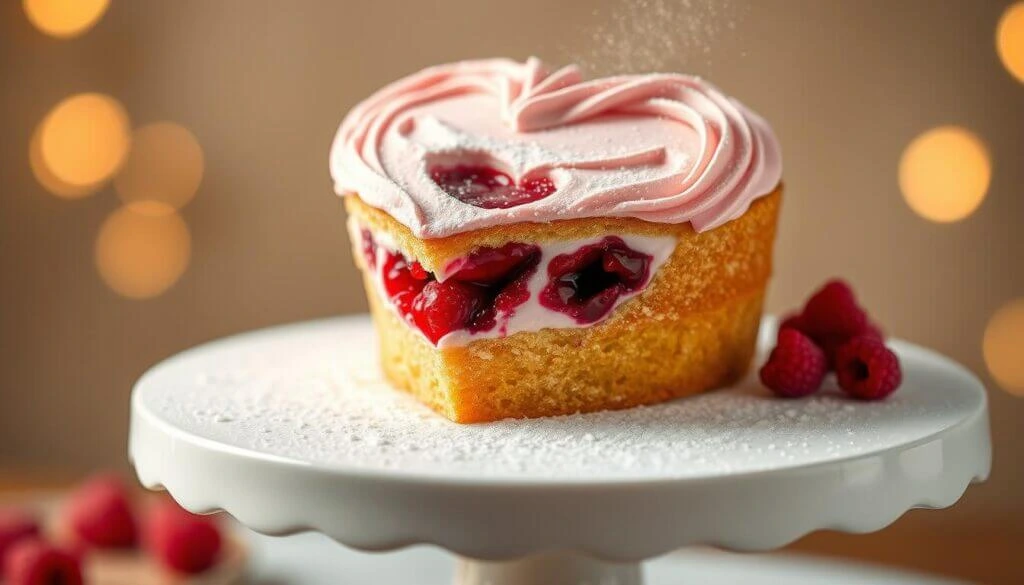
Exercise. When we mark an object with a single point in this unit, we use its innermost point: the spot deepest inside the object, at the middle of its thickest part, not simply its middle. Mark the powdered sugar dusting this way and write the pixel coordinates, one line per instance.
(655, 35)
(313, 393)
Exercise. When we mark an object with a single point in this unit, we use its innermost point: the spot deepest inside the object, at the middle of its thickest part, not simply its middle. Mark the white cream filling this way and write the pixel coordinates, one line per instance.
(531, 315)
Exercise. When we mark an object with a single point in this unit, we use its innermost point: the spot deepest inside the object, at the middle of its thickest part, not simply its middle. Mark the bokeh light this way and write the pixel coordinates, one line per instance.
(84, 139)
(141, 255)
(47, 179)
(1004, 346)
(64, 18)
(945, 173)
(1010, 40)
(165, 165)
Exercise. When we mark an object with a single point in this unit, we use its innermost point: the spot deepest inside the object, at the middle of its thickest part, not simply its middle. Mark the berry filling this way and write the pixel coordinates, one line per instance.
(369, 248)
(487, 187)
(399, 283)
(585, 284)
(443, 307)
(480, 286)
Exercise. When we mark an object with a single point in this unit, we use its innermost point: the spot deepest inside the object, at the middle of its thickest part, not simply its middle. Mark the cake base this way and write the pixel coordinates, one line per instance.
(613, 365)
(692, 329)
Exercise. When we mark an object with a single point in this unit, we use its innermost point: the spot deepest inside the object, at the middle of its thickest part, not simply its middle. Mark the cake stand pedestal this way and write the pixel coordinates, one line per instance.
(292, 429)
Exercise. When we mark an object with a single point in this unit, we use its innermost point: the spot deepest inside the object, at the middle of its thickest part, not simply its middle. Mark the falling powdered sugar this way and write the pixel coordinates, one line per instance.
(654, 35)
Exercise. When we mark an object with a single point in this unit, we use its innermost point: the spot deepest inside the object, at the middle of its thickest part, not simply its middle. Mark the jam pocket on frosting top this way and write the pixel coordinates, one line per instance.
(487, 187)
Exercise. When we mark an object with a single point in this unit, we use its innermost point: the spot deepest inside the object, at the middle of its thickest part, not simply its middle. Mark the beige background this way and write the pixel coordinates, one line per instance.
(263, 85)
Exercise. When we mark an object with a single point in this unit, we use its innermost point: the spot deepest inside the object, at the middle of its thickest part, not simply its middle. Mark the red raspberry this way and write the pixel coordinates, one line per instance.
(867, 369)
(796, 367)
(830, 344)
(792, 321)
(398, 276)
(99, 513)
(493, 266)
(417, 271)
(446, 306)
(15, 525)
(35, 562)
(833, 312)
(180, 540)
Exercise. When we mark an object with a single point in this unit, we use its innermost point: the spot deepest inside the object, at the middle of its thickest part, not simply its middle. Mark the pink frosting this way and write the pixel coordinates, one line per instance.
(665, 148)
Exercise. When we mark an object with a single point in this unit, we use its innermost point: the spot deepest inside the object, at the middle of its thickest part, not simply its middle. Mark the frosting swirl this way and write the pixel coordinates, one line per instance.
(665, 148)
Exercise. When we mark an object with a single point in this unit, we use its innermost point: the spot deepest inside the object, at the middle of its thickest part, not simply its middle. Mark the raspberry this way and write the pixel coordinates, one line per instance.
(404, 300)
(15, 525)
(796, 367)
(792, 321)
(100, 514)
(443, 307)
(34, 562)
(830, 344)
(398, 276)
(833, 312)
(417, 271)
(180, 540)
(867, 369)
(493, 266)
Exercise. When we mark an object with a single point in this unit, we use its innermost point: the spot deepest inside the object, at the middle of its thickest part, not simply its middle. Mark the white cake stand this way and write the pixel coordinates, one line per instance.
(292, 429)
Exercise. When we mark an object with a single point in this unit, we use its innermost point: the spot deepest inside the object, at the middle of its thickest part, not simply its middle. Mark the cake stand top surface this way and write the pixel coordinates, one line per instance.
(313, 394)
(293, 428)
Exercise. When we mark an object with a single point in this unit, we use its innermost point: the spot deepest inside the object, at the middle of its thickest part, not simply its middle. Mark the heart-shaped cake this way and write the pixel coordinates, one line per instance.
(534, 243)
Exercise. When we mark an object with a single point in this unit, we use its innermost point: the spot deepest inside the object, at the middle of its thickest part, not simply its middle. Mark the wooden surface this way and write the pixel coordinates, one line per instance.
(922, 540)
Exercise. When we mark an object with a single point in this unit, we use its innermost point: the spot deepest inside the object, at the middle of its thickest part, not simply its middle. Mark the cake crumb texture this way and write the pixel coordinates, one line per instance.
(692, 329)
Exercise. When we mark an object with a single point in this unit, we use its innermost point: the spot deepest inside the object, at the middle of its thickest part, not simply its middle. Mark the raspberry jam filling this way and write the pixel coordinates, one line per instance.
(495, 291)
(486, 283)
(502, 273)
(368, 247)
(487, 187)
(585, 284)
